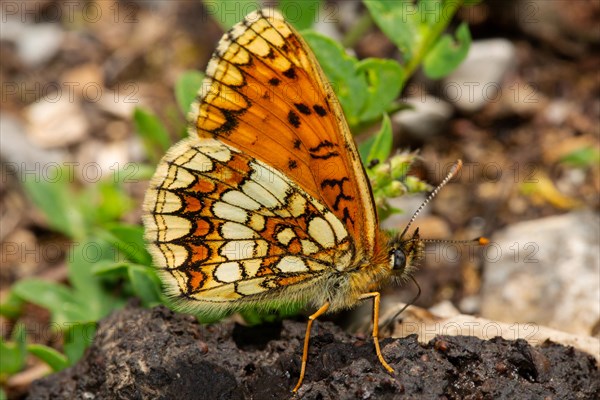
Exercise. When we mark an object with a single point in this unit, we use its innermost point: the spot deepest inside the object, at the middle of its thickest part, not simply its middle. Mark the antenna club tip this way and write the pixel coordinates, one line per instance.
(456, 167)
(483, 241)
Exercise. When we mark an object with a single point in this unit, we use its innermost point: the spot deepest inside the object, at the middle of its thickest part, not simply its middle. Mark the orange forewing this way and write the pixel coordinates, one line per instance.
(266, 95)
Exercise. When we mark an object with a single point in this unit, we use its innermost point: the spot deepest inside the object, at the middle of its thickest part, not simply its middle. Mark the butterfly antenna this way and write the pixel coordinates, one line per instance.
(482, 241)
(453, 172)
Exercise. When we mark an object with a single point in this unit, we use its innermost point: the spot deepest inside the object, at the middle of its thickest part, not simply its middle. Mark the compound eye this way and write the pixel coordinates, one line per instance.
(399, 260)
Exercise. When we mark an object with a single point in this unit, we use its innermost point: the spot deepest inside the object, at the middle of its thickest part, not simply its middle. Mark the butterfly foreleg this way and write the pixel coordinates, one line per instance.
(376, 297)
(314, 316)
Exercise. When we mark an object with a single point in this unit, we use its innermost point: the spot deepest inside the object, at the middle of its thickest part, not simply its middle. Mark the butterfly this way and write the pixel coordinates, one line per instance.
(267, 202)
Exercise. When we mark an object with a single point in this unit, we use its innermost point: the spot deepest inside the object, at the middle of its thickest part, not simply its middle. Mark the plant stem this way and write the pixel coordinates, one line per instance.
(358, 30)
(449, 9)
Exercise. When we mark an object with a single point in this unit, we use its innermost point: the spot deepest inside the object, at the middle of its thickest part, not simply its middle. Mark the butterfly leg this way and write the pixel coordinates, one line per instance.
(376, 296)
(316, 315)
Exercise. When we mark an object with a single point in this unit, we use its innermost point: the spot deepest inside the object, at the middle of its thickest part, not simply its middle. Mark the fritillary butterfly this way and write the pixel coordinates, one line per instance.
(267, 201)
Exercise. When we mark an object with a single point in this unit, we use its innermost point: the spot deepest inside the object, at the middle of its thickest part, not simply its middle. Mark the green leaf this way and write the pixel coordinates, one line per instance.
(88, 289)
(340, 69)
(582, 157)
(365, 89)
(302, 14)
(109, 267)
(413, 27)
(399, 21)
(50, 356)
(50, 193)
(53, 297)
(13, 354)
(129, 239)
(229, 12)
(382, 146)
(447, 54)
(130, 173)
(11, 306)
(186, 89)
(77, 338)
(429, 13)
(114, 201)
(364, 148)
(145, 284)
(384, 83)
(152, 131)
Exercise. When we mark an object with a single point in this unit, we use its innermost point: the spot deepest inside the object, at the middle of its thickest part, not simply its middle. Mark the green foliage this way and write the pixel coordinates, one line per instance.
(379, 146)
(13, 353)
(388, 175)
(378, 81)
(186, 89)
(582, 157)
(153, 133)
(416, 30)
(54, 197)
(302, 14)
(447, 54)
(89, 215)
(78, 337)
(390, 179)
(74, 310)
(275, 312)
(53, 358)
(229, 12)
(11, 307)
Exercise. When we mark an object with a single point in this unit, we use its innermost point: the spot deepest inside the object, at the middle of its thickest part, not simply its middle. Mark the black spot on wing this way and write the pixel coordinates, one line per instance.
(346, 217)
(303, 108)
(274, 82)
(270, 55)
(290, 73)
(322, 145)
(324, 150)
(231, 122)
(292, 164)
(319, 110)
(293, 119)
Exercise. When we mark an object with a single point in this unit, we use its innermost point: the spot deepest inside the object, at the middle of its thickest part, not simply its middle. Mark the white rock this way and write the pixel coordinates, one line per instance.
(20, 153)
(427, 324)
(12, 28)
(478, 79)
(100, 160)
(428, 116)
(56, 121)
(547, 272)
(444, 309)
(120, 103)
(38, 43)
(558, 111)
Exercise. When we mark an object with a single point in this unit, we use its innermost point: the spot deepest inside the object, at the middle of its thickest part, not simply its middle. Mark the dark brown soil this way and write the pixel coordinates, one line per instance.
(157, 354)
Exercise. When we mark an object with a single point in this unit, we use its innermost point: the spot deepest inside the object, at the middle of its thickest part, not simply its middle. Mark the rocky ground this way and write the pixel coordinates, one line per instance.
(157, 354)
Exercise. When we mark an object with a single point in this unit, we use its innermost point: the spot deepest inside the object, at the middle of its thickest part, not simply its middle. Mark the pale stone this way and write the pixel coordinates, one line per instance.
(545, 271)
